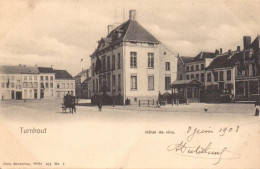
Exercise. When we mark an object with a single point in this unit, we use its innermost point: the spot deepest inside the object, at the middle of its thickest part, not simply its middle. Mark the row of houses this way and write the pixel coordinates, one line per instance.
(27, 82)
(234, 73)
(130, 64)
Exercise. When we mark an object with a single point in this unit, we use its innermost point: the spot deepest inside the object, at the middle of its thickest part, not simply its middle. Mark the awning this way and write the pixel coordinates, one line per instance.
(186, 83)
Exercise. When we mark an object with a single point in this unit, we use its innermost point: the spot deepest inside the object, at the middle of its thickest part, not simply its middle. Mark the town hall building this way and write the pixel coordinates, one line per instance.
(131, 64)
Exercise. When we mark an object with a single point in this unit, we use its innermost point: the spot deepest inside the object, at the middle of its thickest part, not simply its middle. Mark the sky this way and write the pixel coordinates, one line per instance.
(60, 33)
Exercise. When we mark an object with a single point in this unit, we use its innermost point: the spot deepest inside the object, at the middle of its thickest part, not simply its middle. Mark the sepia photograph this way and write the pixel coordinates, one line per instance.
(129, 84)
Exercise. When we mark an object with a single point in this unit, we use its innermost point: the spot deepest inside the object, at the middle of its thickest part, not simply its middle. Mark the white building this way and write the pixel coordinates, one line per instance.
(26, 82)
(64, 83)
(19, 82)
(130, 63)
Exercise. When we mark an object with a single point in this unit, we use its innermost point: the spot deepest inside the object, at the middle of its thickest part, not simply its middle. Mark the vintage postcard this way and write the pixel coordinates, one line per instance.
(129, 84)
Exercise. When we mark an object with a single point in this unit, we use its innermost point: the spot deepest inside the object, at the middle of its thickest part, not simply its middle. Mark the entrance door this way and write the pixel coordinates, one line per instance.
(18, 95)
(42, 94)
(12, 94)
(35, 93)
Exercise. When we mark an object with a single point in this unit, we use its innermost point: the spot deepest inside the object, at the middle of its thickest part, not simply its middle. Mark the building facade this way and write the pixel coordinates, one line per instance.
(235, 74)
(190, 68)
(26, 82)
(83, 82)
(64, 83)
(131, 64)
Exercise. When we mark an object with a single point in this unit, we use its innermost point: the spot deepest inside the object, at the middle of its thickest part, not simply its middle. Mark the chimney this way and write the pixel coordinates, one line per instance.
(229, 51)
(132, 15)
(238, 48)
(247, 42)
(220, 50)
(109, 28)
(216, 52)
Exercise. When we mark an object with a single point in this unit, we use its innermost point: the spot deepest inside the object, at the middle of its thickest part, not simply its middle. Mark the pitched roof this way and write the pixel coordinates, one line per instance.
(186, 59)
(82, 72)
(87, 80)
(46, 70)
(226, 60)
(62, 74)
(129, 31)
(18, 70)
(185, 82)
(202, 55)
(256, 43)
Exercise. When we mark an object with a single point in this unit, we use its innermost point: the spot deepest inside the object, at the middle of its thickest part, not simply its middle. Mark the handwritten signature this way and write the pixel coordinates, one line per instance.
(203, 152)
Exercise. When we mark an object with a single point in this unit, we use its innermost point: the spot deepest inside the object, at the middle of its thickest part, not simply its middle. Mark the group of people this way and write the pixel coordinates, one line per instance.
(70, 102)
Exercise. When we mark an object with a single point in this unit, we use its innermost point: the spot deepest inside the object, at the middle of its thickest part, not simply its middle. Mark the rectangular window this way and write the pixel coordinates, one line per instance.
(181, 77)
(41, 78)
(167, 83)
(113, 62)
(150, 82)
(25, 77)
(221, 76)
(229, 75)
(42, 85)
(97, 85)
(104, 64)
(114, 82)
(35, 84)
(30, 84)
(187, 68)
(133, 59)
(202, 67)
(192, 76)
(67, 85)
(119, 82)
(167, 66)
(118, 61)
(208, 77)
(71, 85)
(25, 84)
(51, 78)
(202, 77)
(93, 69)
(63, 85)
(133, 82)
(12, 85)
(58, 85)
(108, 83)
(198, 76)
(197, 67)
(51, 85)
(35, 77)
(187, 77)
(18, 81)
(47, 85)
(150, 60)
(30, 77)
(215, 76)
(108, 63)
(192, 68)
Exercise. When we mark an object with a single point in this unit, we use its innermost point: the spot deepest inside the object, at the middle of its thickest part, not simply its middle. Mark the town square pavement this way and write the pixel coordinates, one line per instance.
(128, 136)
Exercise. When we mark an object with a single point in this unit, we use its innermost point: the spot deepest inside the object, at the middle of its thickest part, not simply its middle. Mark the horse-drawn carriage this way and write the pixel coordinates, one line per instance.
(69, 102)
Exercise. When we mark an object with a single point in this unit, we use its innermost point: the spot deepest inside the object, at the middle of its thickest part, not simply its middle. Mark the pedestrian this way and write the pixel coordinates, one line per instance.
(99, 104)
(257, 104)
